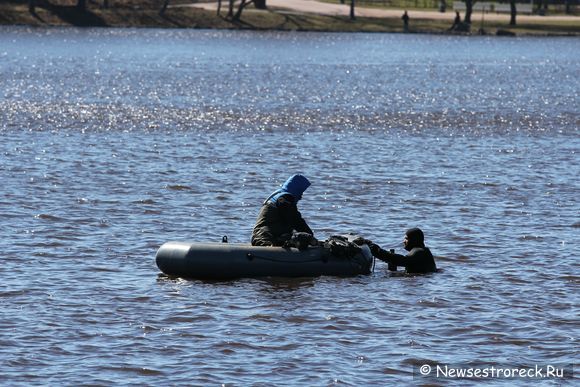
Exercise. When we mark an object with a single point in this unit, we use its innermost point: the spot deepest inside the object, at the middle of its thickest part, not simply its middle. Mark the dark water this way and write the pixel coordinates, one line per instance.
(115, 141)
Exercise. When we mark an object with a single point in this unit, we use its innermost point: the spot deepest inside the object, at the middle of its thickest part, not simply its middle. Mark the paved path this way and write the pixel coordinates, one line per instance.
(321, 8)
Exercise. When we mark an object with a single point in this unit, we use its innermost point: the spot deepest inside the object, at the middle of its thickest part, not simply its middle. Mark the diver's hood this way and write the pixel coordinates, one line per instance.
(295, 186)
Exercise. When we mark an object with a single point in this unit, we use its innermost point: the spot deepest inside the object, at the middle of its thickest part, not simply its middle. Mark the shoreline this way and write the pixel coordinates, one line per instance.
(276, 18)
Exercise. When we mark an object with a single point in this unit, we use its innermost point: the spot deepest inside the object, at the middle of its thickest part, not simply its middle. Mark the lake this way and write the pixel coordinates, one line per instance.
(115, 141)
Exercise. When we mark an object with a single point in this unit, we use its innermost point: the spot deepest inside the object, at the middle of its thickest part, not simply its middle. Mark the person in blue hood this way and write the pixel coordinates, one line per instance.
(279, 217)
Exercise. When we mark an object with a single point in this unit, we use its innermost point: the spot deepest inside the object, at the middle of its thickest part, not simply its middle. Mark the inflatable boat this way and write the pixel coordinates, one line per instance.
(231, 260)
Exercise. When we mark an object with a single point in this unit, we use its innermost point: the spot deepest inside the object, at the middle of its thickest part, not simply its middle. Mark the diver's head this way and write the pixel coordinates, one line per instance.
(296, 185)
(413, 238)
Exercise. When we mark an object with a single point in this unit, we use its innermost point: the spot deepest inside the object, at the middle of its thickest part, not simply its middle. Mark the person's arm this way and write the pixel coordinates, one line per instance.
(301, 225)
(382, 254)
(386, 256)
(419, 260)
(414, 258)
(375, 249)
(297, 222)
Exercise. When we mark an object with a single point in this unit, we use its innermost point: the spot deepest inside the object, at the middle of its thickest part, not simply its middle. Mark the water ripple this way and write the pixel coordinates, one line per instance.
(474, 140)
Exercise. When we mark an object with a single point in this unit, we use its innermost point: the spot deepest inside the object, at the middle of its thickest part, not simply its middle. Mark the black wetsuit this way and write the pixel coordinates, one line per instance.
(276, 222)
(419, 259)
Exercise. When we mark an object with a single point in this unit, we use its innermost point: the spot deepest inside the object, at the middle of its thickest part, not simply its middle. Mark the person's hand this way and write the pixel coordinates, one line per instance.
(301, 240)
(375, 249)
(362, 241)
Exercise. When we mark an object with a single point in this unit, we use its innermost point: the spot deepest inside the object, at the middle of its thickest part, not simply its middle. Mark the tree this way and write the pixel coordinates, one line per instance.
(230, 9)
(31, 6)
(352, 10)
(513, 12)
(241, 7)
(164, 8)
(468, 11)
(82, 5)
(259, 4)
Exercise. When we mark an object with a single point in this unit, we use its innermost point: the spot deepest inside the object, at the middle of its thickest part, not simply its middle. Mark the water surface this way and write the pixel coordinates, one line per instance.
(115, 141)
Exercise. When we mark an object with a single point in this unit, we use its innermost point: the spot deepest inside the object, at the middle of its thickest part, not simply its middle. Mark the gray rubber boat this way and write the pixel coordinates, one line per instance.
(231, 260)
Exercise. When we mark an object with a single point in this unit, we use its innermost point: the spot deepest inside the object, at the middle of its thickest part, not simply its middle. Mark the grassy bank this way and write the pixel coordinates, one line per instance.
(146, 14)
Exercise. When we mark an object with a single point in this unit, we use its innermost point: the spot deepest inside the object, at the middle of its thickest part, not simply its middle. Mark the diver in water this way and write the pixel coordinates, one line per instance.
(279, 217)
(419, 259)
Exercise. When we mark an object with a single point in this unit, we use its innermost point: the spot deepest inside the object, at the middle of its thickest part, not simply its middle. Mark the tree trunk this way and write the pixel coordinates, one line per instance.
(105, 4)
(82, 5)
(513, 12)
(31, 6)
(243, 5)
(231, 10)
(164, 8)
(352, 17)
(468, 11)
(260, 4)
(219, 7)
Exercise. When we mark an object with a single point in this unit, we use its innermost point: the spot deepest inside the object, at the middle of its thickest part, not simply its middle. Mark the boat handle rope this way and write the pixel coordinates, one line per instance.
(251, 256)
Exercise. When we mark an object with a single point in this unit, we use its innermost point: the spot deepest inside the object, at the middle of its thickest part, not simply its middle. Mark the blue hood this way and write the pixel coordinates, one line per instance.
(295, 186)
